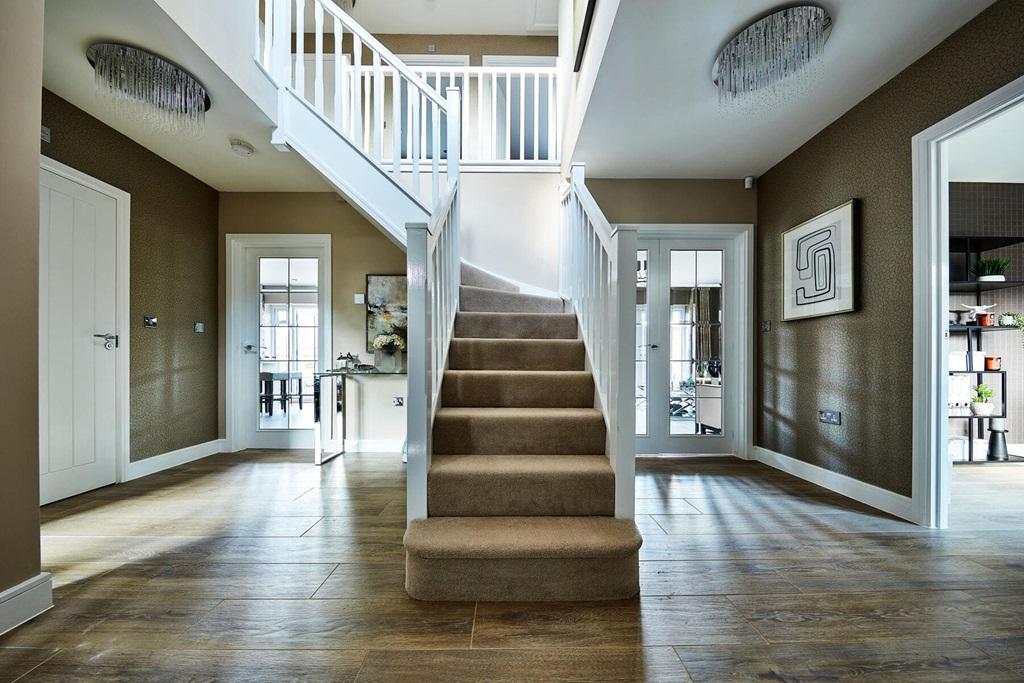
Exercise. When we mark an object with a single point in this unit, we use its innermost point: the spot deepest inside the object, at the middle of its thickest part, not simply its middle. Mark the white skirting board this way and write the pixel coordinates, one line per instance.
(374, 445)
(28, 599)
(158, 463)
(886, 501)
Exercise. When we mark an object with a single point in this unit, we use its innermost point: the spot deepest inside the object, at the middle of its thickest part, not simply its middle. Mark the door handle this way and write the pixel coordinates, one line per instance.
(110, 341)
(653, 346)
(249, 348)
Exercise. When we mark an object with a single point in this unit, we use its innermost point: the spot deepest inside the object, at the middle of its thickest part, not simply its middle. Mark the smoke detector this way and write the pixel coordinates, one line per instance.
(242, 148)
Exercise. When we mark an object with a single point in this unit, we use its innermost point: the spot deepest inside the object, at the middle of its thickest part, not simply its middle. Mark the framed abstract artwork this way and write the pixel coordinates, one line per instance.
(387, 312)
(819, 265)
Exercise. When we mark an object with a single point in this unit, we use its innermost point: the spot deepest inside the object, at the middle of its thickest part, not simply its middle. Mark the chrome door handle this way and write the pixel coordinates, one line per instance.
(653, 346)
(110, 341)
(249, 348)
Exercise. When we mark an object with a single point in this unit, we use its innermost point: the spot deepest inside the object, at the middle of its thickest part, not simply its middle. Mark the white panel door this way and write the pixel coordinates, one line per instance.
(77, 271)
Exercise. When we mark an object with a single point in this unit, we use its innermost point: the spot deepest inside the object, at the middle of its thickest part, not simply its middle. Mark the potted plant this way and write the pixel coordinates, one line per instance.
(387, 352)
(1013, 320)
(991, 269)
(980, 403)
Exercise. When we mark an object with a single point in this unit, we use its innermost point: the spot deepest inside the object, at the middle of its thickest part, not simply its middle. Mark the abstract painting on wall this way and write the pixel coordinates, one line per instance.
(818, 265)
(387, 310)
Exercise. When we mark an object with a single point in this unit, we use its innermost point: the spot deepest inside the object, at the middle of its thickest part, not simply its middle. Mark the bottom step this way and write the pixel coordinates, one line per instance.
(512, 559)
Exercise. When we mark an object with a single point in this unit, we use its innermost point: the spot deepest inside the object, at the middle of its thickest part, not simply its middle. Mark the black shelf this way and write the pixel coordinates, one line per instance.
(982, 328)
(973, 245)
(977, 372)
(975, 286)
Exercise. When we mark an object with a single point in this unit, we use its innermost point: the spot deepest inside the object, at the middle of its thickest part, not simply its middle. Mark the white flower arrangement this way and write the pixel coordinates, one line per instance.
(388, 342)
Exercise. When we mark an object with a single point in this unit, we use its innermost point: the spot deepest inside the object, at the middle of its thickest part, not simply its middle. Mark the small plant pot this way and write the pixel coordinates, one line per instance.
(983, 409)
(991, 278)
(986, 319)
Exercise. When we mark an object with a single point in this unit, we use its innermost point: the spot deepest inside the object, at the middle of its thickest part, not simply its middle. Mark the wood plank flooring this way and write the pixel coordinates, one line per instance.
(260, 567)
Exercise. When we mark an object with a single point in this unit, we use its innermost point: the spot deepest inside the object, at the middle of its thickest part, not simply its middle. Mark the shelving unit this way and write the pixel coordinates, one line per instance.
(963, 253)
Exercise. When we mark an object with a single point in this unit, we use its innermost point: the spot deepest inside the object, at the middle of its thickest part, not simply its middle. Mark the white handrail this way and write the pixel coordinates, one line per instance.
(598, 275)
(433, 268)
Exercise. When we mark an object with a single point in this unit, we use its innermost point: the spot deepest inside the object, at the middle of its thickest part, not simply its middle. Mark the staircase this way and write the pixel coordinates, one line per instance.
(520, 492)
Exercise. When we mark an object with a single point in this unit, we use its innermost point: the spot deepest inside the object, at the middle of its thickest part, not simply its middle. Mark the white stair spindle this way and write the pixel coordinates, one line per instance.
(552, 115)
(300, 48)
(281, 51)
(378, 109)
(522, 117)
(493, 152)
(508, 116)
(268, 35)
(536, 117)
(414, 150)
(396, 124)
(318, 56)
(479, 115)
(435, 153)
(357, 90)
(338, 68)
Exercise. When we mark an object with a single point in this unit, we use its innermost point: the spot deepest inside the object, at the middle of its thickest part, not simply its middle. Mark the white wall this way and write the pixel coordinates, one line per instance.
(510, 225)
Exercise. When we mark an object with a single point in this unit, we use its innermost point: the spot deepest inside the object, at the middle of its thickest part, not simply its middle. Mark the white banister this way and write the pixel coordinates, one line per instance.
(598, 275)
(433, 267)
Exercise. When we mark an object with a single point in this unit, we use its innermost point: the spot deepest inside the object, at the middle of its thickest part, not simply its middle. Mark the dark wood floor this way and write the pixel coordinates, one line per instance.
(260, 567)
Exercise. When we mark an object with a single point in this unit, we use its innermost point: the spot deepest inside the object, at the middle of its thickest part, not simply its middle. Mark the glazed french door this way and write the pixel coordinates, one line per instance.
(685, 364)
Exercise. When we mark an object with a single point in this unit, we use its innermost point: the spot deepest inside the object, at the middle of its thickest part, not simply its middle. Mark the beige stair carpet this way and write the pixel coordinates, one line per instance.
(520, 492)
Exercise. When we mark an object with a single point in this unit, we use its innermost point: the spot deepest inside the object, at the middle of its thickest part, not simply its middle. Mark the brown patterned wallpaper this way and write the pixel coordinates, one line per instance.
(860, 363)
(173, 276)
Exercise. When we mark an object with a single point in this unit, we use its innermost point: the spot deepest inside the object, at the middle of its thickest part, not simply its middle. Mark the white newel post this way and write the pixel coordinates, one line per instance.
(622, 353)
(281, 52)
(418, 411)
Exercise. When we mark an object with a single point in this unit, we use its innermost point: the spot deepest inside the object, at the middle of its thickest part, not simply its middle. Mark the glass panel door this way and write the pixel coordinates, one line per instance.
(680, 370)
(289, 333)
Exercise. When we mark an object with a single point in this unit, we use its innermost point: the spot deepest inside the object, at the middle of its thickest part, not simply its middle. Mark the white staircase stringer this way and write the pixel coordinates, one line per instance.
(362, 182)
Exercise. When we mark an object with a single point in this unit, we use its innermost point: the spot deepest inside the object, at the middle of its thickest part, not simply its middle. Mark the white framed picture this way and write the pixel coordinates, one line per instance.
(818, 265)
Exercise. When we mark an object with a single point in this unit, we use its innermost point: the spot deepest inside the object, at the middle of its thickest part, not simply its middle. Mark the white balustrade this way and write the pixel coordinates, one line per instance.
(433, 267)
(509, 114)
(598, 275)
(358, 86)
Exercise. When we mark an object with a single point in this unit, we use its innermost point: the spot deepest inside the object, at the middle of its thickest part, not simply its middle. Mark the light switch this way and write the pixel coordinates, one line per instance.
(199, 328)
(359, 298)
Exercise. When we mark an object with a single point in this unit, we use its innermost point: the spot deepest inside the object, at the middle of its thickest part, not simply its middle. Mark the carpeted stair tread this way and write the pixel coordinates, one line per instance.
(496, 300)
(557, 431)
(491, 325)
(520, 485)
(516, 354)
(522, 537)
(517, 389)
(475, 277)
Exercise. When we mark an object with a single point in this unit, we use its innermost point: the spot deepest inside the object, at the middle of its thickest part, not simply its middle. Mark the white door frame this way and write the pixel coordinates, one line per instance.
(122, 289)
(237, 244)
(740, 298)
(932, 467)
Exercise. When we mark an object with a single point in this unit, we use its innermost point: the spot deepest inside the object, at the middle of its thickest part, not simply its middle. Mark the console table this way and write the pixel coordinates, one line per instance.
(330, 403)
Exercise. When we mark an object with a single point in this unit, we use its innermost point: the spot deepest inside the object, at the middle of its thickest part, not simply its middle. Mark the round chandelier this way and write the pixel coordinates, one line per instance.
(783, 47)
(149, 89)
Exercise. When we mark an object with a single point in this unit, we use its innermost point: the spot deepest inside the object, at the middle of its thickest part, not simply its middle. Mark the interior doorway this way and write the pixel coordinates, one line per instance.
(279, 337)
(692, 341)
(949, 379)
(83, 332)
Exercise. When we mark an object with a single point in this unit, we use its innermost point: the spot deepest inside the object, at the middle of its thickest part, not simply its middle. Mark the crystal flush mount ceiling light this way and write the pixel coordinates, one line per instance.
(149, 89)
(783, 47)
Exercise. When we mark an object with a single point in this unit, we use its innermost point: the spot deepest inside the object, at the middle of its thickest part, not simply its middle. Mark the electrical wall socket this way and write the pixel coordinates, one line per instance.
(830, 417)
(398, 401)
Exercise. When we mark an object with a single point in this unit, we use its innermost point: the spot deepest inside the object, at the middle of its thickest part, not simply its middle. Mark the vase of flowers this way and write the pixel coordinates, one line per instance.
(387, 352)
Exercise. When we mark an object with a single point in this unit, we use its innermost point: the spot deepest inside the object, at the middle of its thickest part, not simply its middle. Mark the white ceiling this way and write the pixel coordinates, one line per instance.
(72, 25)
(477, 17)
(654, 112)
(991, 152)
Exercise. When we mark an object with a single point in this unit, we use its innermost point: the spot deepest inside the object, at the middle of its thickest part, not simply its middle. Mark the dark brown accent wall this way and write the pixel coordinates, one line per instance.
(173, 276)
(674, 201)
(860, 363)
(21, 49)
